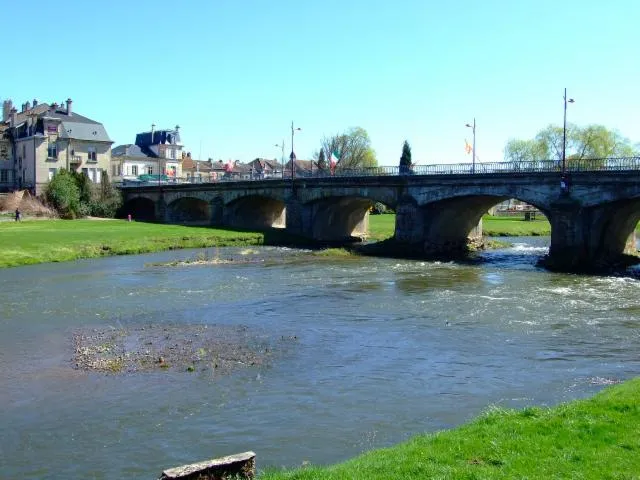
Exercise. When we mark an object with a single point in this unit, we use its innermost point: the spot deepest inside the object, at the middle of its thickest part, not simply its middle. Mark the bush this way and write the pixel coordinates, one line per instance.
(73, 195)
(380, 208)
(63, 194)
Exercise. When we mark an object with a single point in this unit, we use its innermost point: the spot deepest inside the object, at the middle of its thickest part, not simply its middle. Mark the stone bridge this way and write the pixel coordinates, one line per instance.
(436, 214)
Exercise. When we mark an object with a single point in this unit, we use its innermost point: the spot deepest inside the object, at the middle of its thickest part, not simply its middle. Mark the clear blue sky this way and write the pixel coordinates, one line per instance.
(234, 74)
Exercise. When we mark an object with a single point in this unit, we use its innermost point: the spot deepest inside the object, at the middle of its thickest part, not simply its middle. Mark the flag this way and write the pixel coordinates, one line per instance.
(467, 148)
(333, 161)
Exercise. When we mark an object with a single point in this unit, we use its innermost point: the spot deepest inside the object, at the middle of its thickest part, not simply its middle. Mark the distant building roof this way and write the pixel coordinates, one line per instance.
(128, 150)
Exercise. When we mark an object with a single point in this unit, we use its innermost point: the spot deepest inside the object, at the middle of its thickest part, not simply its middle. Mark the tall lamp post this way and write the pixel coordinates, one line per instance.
(281, 145)
(293, 155)
(564, 133)
(473, 129)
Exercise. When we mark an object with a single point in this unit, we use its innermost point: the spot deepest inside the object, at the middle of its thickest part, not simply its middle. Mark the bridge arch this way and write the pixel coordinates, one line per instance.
(447, 225)
(189, 211)
(255, 212)
(340, 218)
(140, 208)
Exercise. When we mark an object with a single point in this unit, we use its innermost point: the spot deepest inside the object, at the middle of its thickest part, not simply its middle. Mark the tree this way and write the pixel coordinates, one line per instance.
(590, 142)
(63, 194)
(106, 200)
(322, 161)
(405, 158)
(352, 148)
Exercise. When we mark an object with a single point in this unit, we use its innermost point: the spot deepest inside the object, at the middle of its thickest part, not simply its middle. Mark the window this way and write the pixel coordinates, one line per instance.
(98, 175)
(85, 171)
(172, 153)
(4, 175)
(114, 170)
(91, 154)
(52, 150)
(52, 172)
(149, 170)
(134, 170)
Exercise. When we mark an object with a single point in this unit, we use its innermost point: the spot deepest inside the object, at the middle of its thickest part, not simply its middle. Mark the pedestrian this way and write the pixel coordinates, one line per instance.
(18, 215)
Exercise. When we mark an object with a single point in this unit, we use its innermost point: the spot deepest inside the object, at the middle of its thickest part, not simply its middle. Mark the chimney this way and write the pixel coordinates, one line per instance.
(54, 107)
(177, 128)
(69, 106)
(35, 103)
(14, 117)
(27, 106)
(23, 107)
(7, 106)
(153, 129)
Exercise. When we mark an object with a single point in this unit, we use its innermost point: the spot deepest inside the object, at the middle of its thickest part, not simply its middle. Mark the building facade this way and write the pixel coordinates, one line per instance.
(42, 139)
(157, 153)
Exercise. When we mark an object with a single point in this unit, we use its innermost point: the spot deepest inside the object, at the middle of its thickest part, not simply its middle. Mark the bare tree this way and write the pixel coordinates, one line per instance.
(352, 149)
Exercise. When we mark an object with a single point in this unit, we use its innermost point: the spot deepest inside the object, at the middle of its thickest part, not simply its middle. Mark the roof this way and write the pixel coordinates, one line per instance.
(128, 150)
(265, 164)
(74, 126)
(170, 136)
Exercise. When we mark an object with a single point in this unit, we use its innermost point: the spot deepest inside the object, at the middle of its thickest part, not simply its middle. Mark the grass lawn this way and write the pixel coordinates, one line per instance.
(382, 227)
(589, 439)
(514, 226)
(37, 241)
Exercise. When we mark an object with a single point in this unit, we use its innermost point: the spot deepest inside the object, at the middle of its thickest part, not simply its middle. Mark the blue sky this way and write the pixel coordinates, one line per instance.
(234, 74)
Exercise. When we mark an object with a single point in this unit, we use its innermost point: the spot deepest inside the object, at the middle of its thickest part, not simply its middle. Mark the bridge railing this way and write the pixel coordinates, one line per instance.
(536, 166)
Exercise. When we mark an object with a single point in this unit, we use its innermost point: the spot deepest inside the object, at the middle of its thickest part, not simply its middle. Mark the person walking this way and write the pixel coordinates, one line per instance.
(18, 215)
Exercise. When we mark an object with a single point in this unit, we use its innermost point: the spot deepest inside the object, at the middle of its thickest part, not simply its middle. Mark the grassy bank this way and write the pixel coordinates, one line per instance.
(514, 226)
(594, 438)
(381, 226)
(38, 241)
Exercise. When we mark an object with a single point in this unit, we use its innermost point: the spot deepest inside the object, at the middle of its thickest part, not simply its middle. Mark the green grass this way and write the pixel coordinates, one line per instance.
(38, 241)
(382, 227)
(598, 438)
(514, 226)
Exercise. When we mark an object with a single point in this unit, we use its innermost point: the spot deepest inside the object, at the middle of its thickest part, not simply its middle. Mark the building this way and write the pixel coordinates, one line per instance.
(265, 168)
(197, 171)
(43, 138)
(156, 152)
(302, 168)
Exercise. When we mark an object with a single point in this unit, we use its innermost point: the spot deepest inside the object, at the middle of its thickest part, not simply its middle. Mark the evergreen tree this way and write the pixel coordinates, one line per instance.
(405, 159)
(322, 161)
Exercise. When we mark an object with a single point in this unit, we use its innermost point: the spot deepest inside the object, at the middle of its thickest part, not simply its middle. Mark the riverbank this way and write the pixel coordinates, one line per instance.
(46, 240)
(31, 242)
(381, 227)
(593, 438)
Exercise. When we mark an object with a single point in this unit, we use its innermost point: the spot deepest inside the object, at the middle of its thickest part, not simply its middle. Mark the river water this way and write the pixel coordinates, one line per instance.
(377, 350)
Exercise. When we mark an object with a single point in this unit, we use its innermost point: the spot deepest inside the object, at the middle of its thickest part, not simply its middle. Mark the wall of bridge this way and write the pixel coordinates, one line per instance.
(436, 215)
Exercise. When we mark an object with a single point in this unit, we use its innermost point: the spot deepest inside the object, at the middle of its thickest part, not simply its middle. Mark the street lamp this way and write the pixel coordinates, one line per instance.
(564, 133)
(293, 155)
(281, 145)
(473, 129)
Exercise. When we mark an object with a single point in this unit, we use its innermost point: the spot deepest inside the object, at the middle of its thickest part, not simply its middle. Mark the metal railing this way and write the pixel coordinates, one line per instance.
(538, 166)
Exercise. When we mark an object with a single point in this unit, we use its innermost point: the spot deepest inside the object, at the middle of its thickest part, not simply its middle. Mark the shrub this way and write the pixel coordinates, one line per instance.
(63, 194)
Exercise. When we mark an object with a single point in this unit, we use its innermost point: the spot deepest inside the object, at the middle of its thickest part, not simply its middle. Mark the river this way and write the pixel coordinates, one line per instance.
(376, 350)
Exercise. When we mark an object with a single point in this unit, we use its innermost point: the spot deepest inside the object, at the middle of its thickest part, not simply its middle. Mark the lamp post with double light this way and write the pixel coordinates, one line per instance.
(293, 155)
(281, 145)
(473, 129)
(564, 133)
